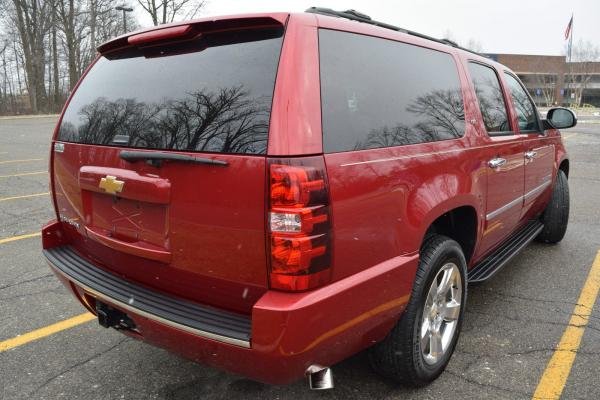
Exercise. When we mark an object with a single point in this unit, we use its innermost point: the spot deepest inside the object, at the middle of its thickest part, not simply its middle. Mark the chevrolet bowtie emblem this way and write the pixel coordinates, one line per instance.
(111, 185)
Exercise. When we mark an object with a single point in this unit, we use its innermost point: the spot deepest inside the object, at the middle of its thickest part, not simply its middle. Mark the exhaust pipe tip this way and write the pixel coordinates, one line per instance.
(319, 378)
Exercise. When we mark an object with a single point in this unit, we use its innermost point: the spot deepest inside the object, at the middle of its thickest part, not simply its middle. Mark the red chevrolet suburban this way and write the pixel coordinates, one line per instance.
(272, 193)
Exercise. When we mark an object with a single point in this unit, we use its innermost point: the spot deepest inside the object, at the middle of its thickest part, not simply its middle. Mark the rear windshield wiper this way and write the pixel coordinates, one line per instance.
(156, 158)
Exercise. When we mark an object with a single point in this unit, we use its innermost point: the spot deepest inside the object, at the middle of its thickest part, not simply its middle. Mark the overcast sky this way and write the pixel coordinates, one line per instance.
(507, 26)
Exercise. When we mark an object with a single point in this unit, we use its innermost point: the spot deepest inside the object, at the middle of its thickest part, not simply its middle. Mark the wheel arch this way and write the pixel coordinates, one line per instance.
(564, 166)
(461, 222)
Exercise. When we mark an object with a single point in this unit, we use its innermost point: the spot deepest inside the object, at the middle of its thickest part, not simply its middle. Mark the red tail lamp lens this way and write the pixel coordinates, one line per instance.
(293, 186)
(299, 223)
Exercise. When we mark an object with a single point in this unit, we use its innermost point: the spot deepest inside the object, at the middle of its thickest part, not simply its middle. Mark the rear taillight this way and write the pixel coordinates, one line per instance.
(299, 224)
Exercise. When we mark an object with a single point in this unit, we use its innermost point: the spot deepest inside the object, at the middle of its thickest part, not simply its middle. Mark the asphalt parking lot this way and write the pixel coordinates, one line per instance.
(513, 325)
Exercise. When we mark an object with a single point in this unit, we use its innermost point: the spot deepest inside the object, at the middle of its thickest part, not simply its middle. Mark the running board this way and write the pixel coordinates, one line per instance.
(493, 263)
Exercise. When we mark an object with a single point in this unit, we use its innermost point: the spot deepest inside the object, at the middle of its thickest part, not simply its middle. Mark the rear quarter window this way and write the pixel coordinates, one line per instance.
(380, 93)
(212, 94)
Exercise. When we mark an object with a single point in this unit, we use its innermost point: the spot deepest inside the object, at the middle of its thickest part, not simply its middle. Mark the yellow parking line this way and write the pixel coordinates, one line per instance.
(570, 135)
(25, 196)
(20, 161)
(45, 331)
(559, 367)
(14, 238)
(24, 174)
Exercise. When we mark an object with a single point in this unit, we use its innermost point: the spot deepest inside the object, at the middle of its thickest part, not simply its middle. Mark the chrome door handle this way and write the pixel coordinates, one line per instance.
(530, 154)
(496, 162)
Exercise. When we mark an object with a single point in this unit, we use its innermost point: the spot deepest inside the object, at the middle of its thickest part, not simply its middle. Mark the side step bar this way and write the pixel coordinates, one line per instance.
(493, 263)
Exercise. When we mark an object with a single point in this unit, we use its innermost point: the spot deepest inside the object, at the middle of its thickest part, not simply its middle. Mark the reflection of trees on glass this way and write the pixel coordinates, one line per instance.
(489, 95)
(491, 104)
(228, 121)
(440, 115)
(523, 105)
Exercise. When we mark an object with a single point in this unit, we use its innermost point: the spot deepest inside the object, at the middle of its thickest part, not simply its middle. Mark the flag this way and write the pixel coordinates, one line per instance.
(568, 30)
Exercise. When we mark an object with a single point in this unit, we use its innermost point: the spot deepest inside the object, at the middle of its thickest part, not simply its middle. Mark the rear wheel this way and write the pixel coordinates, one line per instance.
(556, 214)
(419, 347)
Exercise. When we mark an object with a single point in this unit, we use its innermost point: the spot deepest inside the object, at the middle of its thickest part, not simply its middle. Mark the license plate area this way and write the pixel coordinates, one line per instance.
(127, 220)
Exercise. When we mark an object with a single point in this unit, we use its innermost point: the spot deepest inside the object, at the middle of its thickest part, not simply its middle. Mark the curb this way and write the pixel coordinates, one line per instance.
(29, 116)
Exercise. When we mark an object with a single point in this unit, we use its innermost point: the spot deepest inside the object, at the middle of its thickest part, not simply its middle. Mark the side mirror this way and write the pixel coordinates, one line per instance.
(560, 118)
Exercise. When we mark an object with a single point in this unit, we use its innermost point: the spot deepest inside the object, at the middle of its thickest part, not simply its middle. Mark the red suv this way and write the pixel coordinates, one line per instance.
(273, 193)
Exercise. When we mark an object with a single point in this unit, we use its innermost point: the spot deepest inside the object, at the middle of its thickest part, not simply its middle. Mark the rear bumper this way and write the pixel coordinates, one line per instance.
(286, 333)
(184, 315)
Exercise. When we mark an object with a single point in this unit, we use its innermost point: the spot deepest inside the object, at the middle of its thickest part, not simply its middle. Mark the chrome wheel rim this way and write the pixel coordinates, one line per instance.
(440, 313)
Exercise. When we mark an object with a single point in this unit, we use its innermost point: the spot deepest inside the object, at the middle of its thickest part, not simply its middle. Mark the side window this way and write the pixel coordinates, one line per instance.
(491, 100)
(524, 107)
(380, 93)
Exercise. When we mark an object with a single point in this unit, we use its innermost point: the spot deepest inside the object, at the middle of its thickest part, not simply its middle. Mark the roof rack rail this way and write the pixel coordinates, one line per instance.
(360, 17)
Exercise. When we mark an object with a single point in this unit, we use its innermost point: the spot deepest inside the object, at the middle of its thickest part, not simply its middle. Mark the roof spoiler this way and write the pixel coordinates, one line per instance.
(190, 29)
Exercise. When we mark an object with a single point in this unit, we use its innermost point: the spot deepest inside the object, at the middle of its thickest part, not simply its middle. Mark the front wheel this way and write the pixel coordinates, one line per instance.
(556, 214)
(419, 347)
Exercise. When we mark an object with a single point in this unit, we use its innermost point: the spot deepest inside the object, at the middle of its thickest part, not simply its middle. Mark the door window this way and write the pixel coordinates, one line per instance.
(491, 100)
(524, 107)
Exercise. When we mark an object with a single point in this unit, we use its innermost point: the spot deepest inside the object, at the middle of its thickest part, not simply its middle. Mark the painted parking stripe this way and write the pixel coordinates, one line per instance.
(21, 161)
(559, 367)
(45, 331)
(20, 237)
(24, 174)
(24, 196)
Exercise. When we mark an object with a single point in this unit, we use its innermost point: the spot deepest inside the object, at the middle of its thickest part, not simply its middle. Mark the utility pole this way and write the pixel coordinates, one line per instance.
(125, 10)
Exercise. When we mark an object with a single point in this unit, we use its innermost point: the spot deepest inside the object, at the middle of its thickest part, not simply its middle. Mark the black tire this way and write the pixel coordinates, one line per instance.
(399, 356)
(556, 214)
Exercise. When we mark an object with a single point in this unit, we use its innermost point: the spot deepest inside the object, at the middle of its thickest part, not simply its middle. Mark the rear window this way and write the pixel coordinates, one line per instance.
(212, 94)
(380, 93)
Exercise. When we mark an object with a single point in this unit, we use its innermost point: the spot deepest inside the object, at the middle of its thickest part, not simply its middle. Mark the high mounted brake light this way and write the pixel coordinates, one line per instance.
(171, 33)
(299, 224)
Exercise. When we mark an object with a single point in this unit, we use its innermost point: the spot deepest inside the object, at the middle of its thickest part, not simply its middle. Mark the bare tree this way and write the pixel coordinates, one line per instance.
(106, 22)
(474, 45)
(74, 22)
(449, 35)
(32, 19)
(56, 93)
(543, 80)
(47, 44)
(7, 99)
(165, 11)
(584, 55)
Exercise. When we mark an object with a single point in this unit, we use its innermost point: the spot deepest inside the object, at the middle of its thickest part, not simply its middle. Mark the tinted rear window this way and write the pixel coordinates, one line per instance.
(380, 93)
(212, 94)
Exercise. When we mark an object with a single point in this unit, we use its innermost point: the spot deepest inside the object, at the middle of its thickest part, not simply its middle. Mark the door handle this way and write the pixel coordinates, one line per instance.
(496, 162)
(530, 154)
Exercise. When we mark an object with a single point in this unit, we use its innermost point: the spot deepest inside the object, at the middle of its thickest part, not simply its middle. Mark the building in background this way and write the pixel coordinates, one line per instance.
(552, 80)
